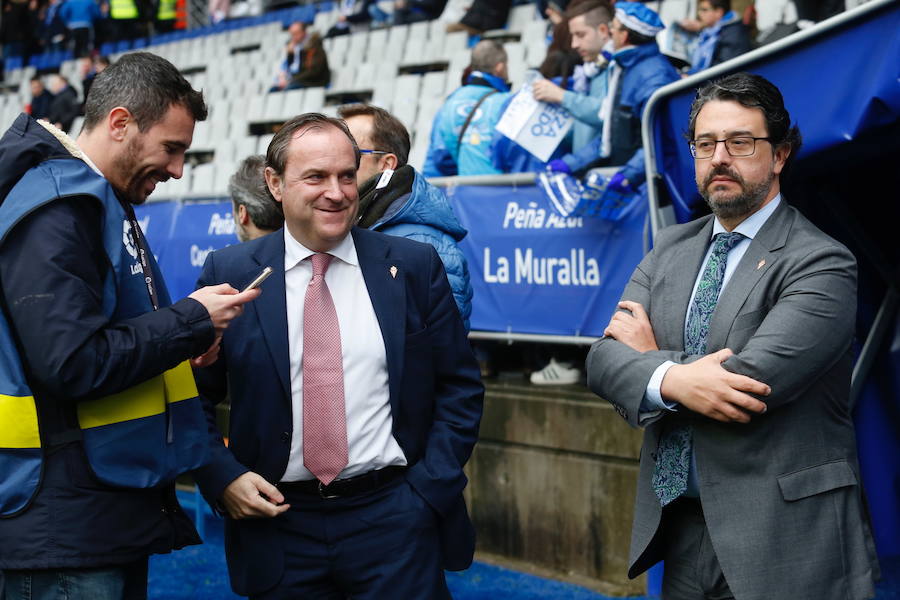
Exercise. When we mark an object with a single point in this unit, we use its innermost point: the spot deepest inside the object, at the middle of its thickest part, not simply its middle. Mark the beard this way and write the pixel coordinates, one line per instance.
(742, 204)
(130, 174)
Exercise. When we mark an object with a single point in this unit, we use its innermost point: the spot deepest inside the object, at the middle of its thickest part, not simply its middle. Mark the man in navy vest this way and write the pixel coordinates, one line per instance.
(90, 346)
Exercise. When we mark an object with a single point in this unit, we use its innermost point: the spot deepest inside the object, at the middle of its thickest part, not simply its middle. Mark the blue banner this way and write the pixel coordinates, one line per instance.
(182, 243)
(532, 270)
(536, 272)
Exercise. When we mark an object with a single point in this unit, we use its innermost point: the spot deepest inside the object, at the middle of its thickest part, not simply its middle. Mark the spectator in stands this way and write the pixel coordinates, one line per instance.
(414, 11)
(637, 70)
(463, 127)
(19, 25)
(79, 17)
(354, 12)
(405, 204)
(166, 16)
(124, 19)
(723, 34)
(53, 32)
(65, 106)
(305, 63)
(256, 213)
(555, 11)
(40, 99)
(558, 67)
(588, 22)
(90, 68)
(483, 15)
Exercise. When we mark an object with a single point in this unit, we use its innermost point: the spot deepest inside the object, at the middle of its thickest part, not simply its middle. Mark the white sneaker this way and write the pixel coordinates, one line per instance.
(556, 374)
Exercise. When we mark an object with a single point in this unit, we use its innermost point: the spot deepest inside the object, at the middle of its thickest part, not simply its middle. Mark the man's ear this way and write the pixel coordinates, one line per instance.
(388, 161)
(782, 152)
(242, 215)
(274, 182)
(118, 121)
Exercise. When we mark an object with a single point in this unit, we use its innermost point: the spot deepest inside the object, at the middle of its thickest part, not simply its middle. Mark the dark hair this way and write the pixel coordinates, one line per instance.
(103, 59)
(247, 187)
(38, 79)
(388, 133)
(635, 38)
(752, 91)
(596, 12)
(147, 85)
(276, 154)
(715, 4)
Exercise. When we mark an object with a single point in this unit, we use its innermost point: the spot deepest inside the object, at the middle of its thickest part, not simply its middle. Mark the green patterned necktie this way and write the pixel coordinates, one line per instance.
(673, 457)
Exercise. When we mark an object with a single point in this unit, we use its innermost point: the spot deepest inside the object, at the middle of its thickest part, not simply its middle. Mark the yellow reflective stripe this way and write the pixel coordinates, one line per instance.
(18, 422)
(180, 384)
(143, 400)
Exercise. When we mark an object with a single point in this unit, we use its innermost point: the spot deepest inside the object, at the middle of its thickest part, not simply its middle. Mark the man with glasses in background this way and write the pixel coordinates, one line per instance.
(733, 349)
(396, 200)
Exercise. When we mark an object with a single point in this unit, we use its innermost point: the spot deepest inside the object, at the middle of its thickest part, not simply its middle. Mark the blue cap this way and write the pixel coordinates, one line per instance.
(637, 17)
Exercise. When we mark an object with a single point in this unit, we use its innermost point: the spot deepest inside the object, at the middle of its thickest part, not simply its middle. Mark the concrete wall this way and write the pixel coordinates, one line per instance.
(552, 484)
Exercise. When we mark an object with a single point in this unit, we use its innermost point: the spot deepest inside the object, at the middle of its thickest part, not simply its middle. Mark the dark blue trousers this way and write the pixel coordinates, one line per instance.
(382, 544)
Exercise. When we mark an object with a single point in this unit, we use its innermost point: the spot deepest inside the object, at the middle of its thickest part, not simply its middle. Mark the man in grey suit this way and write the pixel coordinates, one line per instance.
(732, 349)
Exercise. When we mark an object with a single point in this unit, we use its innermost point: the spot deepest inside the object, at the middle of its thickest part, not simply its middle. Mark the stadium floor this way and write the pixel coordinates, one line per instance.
(199, 573)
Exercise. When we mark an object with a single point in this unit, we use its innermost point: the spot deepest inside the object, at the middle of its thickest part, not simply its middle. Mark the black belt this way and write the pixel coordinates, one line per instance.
(352, 486)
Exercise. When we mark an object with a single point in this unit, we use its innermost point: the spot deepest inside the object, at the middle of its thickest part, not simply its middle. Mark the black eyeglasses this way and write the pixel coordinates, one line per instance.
(736, 146)
(361, 151)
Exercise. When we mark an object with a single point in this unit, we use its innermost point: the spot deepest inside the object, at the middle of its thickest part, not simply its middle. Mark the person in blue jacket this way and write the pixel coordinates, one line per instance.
(79, 17)
(589, 27)
(99, 407)
(723, 35)
(637, 70)
(396, 200)
(463, 127)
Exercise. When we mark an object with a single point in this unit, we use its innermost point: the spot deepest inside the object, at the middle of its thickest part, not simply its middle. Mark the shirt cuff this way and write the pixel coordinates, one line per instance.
(652, 405)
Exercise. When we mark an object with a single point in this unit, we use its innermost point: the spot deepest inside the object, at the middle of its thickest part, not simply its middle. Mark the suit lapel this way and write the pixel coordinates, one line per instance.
(385, 280)
(680, 283)
(756, 262)
(271, 306)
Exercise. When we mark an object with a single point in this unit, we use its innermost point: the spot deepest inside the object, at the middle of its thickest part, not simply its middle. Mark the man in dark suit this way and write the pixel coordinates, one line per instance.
(355, 398)
(733, 349)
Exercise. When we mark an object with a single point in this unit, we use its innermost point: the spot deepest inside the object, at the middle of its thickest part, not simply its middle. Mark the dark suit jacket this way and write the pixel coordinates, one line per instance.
(435, 389)
(781, 495)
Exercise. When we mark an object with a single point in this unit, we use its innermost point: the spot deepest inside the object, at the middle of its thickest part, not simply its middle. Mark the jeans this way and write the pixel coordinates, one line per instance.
(121, 582)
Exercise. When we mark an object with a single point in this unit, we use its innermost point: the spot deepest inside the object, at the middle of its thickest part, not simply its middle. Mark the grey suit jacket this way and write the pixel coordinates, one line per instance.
(781, 495)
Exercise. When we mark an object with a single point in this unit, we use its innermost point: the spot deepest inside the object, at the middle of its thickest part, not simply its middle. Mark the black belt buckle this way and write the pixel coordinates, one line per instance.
(325, 494)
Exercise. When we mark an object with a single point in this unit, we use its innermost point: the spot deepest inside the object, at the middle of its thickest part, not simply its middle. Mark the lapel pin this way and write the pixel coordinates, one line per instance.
(393, 271)
(761, 264)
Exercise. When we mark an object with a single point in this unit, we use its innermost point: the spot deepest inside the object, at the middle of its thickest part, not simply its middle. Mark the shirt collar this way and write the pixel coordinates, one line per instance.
(750, 226)
(89, 162)
(294, 251)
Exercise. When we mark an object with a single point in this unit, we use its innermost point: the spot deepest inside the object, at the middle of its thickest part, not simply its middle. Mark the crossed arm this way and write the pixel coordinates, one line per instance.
(702, 386)
(808, 328)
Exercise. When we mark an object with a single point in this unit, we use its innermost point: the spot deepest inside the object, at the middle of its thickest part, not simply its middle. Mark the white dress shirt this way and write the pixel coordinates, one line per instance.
(653, 404)
(370, 441)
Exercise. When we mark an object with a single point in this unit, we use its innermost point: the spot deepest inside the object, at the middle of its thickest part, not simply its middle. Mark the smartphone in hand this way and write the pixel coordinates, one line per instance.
(259, 279)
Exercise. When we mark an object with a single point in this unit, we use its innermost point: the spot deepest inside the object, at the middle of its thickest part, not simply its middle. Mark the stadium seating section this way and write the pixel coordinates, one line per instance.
(407, 69)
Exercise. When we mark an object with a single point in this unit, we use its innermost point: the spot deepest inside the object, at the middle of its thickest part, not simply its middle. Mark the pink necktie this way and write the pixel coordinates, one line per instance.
(324, 420)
